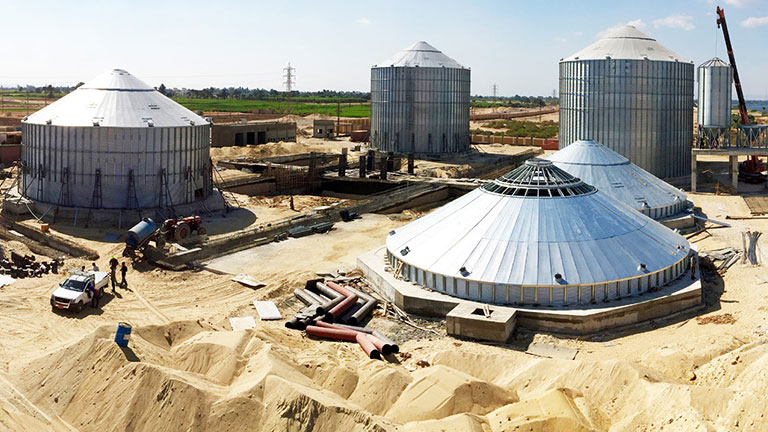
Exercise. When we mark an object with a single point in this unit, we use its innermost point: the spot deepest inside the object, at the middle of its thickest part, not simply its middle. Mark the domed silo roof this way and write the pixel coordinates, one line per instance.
(626, 42)
(537, 235)
(420, 102)
(116, 143)
(633, 95)
(615, 175)
(115, 99)
(420, 54)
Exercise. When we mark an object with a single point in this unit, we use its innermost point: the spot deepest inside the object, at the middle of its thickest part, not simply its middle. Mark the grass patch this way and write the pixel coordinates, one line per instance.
(546, 129)
(282, 107)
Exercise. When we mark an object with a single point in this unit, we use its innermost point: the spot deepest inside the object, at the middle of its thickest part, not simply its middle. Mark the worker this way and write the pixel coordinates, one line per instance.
(123, 271)
(82, 269)
(693, 266)
(113, 272)
(94, 267)
(94, 297)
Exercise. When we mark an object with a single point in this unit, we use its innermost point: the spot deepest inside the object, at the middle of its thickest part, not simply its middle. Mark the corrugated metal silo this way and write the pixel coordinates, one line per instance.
(420, 102)
(715, 84)
(633, 95)
(115, 143)
(537, 235)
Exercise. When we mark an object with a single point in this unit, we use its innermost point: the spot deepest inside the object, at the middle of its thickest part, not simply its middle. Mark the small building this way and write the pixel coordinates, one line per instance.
(252, 133)
(323, 129)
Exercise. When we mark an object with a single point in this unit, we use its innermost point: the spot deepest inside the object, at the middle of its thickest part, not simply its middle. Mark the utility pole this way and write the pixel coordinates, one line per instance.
(290, 77)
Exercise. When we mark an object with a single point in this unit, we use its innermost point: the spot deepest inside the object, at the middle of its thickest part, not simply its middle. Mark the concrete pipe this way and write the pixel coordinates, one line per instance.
(345, 291)
(340, 308)
(305, 297)
(332, 333)
(389, 346)
(365, 342)
(392, 347)
(334, 296)
(318, 298)
(365, 309)
(351, 311)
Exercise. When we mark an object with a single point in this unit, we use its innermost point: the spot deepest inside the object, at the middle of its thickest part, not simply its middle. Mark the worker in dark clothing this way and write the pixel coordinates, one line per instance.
(94, 296)
(123, 271)
(113, 272)
(693, 266)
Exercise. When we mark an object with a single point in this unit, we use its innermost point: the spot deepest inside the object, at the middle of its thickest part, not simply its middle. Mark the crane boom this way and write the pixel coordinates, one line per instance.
(742, 103)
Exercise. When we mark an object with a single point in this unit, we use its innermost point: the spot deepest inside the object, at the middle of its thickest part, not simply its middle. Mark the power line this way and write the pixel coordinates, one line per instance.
(290, 77)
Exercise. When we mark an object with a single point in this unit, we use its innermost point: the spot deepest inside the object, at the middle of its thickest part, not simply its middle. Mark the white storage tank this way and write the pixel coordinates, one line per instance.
(715, 84)
(115, 143)
(634, 96)
(420, 102)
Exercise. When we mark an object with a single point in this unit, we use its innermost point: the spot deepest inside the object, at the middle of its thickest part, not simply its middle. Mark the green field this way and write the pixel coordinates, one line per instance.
(547, 129)
(298, 108)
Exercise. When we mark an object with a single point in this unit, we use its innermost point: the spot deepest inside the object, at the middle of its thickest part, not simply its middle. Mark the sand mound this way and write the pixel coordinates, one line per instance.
(555, 410)
(439, 391)
(455, 423)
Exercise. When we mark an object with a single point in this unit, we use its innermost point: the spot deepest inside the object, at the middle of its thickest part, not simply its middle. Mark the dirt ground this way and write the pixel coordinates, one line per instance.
(186, 370)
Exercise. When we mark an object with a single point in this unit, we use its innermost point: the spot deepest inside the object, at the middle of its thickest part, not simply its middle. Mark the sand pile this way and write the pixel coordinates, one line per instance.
(190, 375)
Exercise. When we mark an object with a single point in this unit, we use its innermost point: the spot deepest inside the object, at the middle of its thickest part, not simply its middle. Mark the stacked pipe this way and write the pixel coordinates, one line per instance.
(334, 311)
(372, 344)
(23, 266)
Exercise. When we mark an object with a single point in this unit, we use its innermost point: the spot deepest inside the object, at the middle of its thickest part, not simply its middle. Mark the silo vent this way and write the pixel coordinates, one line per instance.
(392, 232)
(150, 123)
(191, 122)
(96, 123)
(464, 272)
(405, 251)
(49, 121)
(642, 268)
(558, 278)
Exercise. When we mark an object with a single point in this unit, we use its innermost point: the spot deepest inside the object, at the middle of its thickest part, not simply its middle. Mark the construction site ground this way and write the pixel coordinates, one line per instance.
(186, 370)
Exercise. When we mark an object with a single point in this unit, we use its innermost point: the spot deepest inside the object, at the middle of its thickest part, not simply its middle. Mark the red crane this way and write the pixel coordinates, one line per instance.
(751, 169)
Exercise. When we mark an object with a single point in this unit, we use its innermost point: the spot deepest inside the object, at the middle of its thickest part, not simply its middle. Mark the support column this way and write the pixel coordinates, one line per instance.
(693, 172)
(734, 159)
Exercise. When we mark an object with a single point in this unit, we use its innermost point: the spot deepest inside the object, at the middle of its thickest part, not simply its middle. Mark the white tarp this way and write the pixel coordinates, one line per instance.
(267, 310)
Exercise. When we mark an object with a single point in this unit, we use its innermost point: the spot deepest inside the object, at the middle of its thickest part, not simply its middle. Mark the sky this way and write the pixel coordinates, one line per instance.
(332, 44)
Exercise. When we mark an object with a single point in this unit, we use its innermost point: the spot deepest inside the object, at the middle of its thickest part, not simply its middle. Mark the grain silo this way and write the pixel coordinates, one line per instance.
(633, 95)
(420, 102)
(615, 175)
(115, 143)
(537, 235)
(714, 112)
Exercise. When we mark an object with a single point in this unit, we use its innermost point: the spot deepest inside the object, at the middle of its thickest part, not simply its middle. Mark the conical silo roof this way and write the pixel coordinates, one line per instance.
(714, 62)
(420, 54)
(626, 42)
(537, 226)
(615, 175)
(115, 99)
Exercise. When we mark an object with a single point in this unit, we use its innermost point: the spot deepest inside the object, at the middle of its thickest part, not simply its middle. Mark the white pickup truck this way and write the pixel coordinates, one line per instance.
(75, 292)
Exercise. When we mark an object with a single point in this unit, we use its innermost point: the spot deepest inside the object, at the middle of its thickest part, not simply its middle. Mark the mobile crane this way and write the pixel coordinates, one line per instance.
(751, 170)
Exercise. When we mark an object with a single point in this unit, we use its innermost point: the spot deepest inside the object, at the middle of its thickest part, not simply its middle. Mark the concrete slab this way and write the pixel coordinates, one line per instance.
(552, 351)
(682, 296)
(467, 320)
(680, 221)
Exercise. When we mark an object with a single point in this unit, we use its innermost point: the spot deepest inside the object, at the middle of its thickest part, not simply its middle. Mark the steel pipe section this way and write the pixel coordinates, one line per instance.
(420, 109)
(116, 154)
(639, 108)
